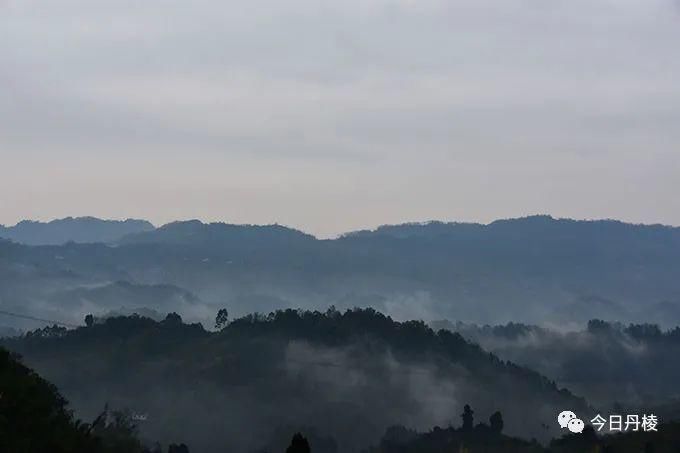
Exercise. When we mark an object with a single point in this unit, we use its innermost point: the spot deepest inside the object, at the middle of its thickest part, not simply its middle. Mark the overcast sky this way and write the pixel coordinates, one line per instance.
(332, 116)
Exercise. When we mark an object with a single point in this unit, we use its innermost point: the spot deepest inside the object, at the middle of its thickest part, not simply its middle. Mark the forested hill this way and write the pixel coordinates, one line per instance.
(29, 404)
(608, 363)
(346, 376)
(535, 270)
(222, 235)
(79, 229)
(34, 418)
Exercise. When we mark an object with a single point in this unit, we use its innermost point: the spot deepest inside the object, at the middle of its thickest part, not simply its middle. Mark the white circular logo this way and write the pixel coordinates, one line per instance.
(564, 418)
(576, 425)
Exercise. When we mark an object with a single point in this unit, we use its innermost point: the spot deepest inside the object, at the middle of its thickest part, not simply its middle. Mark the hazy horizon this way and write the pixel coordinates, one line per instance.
(340, 116)
(340, 233)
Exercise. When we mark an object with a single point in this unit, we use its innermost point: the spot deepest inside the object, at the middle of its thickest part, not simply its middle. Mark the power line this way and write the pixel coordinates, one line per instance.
(33, 318)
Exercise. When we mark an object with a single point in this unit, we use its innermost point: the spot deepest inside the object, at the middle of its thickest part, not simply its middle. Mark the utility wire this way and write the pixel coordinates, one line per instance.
(33, 318)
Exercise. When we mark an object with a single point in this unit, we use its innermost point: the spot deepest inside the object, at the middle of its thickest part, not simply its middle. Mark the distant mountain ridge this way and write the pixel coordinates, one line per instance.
(534, 269)
(89, 229)
(529, 224)
(194, 231)
(72, 229)
(216, 233)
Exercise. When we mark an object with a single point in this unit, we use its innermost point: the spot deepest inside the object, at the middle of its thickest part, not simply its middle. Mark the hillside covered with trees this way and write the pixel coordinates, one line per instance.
(534, 270)
(343, 375)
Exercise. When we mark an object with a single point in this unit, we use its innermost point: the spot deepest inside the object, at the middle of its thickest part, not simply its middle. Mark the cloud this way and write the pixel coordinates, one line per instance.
(404, 99)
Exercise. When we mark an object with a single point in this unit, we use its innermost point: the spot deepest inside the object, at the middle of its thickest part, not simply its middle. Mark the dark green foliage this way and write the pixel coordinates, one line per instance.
(45, 411)
(298, 444)
(468, 418)
(30, 405)
(173, 319)
(34, 418)
(284, 369)
(496, 422)
(281, 439)
(665, 440)
(635, 364)
(482, 440)
(222, 318)
(178, 448)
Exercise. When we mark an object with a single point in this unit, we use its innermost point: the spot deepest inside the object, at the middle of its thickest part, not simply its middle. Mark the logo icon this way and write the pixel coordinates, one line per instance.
(568, 419)
(576, 425)
(564, 418)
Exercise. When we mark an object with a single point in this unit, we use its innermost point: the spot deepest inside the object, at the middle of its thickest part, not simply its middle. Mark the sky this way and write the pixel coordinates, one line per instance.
(335, 116)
